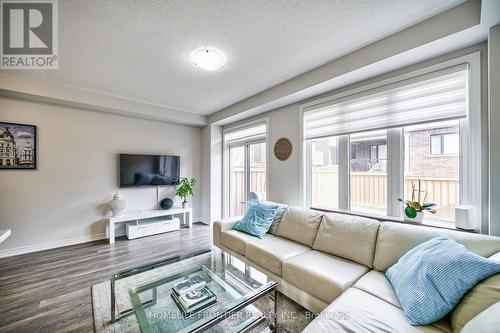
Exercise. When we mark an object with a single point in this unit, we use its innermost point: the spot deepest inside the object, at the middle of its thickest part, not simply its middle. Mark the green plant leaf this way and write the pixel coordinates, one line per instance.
(416, 205)
(429, 205)
(410, 212)
(185, 187)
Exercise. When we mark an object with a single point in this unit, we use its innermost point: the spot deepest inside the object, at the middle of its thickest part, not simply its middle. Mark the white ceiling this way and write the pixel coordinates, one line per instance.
(140, 49)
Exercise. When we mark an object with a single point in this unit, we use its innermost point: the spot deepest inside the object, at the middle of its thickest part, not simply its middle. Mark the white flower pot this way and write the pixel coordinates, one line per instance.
(118, 204)
(418, 219)
(185, 205)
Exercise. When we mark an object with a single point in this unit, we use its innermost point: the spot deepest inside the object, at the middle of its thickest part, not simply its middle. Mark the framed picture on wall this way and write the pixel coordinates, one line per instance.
(17, 146)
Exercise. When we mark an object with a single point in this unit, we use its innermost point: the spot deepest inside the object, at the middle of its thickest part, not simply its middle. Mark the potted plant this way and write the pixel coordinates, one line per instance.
(185, 189)
(414, 209)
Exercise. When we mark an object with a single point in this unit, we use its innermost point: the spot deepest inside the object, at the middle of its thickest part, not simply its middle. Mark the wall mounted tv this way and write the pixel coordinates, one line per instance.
(149, 170)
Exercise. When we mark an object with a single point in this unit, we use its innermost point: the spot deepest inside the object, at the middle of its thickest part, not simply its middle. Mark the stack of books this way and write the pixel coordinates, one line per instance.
(192, 295)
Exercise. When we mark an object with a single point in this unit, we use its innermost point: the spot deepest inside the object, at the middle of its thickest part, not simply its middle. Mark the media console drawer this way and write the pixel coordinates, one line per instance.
(148, 229)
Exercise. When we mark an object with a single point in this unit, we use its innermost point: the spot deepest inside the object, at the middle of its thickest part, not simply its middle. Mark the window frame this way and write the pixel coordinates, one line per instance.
(441, 144)
(226, 159)
(472, 169)
(432, 136)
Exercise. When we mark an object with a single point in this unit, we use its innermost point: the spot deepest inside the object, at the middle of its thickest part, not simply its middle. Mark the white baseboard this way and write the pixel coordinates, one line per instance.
(50, 245)
(202, 220)
(65, 242)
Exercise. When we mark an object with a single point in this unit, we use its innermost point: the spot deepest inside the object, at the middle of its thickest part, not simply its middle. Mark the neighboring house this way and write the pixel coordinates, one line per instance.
(369, 155)
(430, 153)
(433, 153)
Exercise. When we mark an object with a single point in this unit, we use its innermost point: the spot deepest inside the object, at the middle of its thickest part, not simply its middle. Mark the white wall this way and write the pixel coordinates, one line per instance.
(211, 197)
(494, 123)
(64, 201)
(285, 177)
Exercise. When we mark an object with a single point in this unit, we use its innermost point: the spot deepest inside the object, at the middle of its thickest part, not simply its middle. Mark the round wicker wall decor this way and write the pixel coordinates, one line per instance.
(283, 149)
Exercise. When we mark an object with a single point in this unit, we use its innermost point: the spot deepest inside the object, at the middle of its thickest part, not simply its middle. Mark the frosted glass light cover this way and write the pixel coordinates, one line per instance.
(208, 58)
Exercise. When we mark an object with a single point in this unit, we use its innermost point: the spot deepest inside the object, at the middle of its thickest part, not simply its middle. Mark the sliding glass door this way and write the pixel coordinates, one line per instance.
(257, 170)
(247, 176)
(237, 172)
(244, 167)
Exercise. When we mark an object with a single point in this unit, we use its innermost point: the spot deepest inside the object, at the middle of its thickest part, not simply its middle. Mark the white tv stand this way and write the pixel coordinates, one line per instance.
(185, 215)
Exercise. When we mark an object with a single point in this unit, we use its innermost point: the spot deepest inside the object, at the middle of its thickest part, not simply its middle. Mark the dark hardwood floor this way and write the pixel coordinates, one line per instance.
(49, 291)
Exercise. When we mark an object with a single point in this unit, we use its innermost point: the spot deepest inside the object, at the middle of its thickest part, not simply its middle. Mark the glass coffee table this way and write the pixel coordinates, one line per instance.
(246, 297)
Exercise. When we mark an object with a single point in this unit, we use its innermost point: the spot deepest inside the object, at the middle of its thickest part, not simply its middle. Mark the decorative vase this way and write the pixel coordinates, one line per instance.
(166, 203)
(185, 204)
(418, 219)
(118, 204)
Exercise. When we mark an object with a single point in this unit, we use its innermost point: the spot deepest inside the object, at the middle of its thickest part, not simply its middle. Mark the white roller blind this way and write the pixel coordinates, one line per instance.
(245, 134)
(436, 96)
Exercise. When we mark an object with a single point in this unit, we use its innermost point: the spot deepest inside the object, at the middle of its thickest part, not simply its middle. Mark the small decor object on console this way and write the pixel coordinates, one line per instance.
(18, 143)
(185, 189)
(166, 203)
(414, 209)
(283, 149)
(118, 204)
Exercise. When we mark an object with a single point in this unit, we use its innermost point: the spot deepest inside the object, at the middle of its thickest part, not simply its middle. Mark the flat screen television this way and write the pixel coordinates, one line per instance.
(149, 170)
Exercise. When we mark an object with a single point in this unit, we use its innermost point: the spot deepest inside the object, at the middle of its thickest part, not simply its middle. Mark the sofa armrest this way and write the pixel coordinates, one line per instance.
(223, 225)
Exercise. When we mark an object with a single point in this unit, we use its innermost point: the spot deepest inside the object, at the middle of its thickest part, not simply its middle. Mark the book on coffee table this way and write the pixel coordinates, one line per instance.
(194, 301)
(192, 283)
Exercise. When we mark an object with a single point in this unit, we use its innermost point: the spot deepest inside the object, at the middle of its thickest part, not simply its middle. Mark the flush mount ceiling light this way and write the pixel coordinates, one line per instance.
(208, 58)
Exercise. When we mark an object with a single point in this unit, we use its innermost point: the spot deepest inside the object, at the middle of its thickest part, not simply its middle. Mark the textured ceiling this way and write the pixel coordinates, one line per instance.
(140, 49)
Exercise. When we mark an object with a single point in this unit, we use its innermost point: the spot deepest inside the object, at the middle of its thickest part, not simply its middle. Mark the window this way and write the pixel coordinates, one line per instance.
(368, 173)
(393, 134)
(382, 152)
(438, 172)
(451, 143)
(325, 173)
(258, 168)
(436, 144)
(444, 143)
(236, 181)
(245, 167)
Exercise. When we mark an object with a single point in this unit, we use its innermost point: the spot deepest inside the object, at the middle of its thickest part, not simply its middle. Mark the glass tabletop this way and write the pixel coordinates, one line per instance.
(236, 285)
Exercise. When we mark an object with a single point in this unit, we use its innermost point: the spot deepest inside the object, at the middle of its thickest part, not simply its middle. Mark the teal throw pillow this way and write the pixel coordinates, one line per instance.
(258, 219)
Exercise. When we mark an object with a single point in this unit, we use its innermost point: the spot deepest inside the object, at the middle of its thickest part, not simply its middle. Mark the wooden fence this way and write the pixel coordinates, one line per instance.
(237, 181)
(368, 190)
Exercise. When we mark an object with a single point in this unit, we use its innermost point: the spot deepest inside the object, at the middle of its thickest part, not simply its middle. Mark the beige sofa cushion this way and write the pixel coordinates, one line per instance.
(487, 321)
(300, 225)
(279, 215)
(376, 284)
(220, 226)
(347, 236)
(236, 240)
(359, 311)
(271, 251)
(395, 239)
(322, 275)
(477, 300)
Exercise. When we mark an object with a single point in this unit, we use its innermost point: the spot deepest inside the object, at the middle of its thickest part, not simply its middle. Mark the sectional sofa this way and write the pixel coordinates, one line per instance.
(333, 264)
